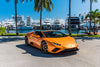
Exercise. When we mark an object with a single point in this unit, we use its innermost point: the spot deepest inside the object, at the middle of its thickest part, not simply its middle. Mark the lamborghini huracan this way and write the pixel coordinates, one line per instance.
(51, 41)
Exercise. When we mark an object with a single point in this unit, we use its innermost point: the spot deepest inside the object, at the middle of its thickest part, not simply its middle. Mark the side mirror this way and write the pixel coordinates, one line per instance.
(37, 36)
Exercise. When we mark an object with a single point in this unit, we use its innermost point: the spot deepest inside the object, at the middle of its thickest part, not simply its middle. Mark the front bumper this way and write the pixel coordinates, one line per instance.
(58, 49)
(72, 49)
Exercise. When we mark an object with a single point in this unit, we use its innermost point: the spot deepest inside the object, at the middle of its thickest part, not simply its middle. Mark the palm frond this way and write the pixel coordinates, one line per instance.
(43, 4)
(92, 0)
(83, 0)
(7, 0)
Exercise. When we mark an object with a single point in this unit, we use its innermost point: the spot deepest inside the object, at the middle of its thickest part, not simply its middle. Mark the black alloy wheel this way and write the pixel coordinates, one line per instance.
(44, 47)
(26, 41)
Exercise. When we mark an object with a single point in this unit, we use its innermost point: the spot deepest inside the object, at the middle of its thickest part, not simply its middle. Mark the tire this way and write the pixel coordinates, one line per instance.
(44, 47)
(26, 41)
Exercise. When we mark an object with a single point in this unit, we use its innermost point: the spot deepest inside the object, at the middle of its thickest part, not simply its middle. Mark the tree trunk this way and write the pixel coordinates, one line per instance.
(40, 20)
(41, 17)
(94, 26)
(69, 23)
(16, 16)
(90, 16)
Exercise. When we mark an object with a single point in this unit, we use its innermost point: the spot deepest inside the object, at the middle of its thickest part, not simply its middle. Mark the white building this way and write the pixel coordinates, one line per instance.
(29, 21)
(20, 20)
(82, 17)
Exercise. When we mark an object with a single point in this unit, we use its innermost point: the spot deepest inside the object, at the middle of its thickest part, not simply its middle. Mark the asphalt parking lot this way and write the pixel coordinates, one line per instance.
(14, 53)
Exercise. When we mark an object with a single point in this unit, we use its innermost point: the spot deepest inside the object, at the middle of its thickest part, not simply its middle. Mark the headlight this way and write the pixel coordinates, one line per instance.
(56, 44)
(71, 45)
(75, 41)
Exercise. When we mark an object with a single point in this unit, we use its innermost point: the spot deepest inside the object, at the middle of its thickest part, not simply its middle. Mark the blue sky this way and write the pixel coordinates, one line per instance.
(59, 11)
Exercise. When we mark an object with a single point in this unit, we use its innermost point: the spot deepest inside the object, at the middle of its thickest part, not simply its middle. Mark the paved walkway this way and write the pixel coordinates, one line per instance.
(14, 53)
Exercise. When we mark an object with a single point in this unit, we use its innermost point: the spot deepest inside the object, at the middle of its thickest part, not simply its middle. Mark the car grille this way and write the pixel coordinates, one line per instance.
(72, 49)
(56, 49)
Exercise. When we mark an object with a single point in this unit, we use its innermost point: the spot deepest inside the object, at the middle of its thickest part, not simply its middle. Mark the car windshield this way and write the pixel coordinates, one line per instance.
(54, 34)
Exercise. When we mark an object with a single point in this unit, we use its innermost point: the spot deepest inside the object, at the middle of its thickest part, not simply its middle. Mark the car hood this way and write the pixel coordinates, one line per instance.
(62, 40)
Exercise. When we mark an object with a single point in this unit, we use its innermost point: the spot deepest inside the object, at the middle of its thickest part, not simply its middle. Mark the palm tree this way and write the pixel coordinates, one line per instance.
(40, 5)
(94, 15)
(69, 24)
(16, 1)
(98, 17)
(90, 12)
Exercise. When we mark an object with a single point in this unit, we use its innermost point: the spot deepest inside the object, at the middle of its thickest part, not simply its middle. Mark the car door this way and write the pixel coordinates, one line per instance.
(38, 39)
(32, 39)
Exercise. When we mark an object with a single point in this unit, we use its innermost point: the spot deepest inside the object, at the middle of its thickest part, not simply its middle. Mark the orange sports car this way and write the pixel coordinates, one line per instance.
(51, 41)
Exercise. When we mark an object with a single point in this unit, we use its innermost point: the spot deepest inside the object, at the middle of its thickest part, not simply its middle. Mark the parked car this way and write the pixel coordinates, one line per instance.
(51, 41)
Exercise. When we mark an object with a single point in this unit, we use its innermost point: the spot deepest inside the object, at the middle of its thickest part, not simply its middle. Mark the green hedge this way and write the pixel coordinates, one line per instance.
(14, 34)
(2, 30)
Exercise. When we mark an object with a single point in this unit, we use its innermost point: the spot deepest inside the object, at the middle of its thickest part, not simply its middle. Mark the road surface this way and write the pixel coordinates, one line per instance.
(14, 53)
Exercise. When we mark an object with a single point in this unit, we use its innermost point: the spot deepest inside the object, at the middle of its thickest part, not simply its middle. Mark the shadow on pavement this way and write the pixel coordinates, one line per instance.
(86, 38)
(36, 52)
(9, 39)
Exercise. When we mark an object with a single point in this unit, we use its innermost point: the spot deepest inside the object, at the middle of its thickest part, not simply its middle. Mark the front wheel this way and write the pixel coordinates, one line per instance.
(44, 47)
